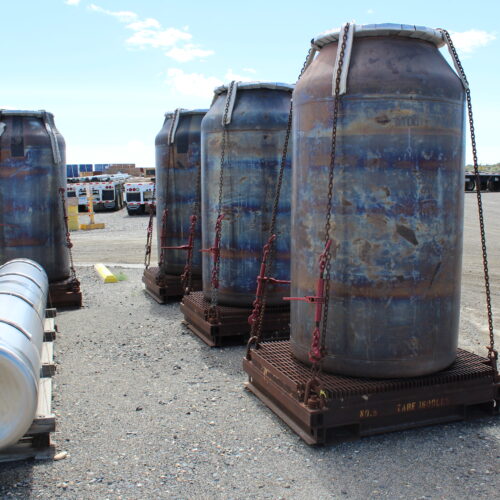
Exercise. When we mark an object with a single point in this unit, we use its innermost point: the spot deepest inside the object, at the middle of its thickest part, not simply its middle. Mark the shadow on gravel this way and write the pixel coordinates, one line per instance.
(16, 478)
(458, 460)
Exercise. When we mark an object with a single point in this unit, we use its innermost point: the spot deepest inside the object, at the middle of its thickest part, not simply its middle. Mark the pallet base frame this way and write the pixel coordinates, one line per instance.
(172, 288)
(364, 407)
(63, 294)
(233, 327)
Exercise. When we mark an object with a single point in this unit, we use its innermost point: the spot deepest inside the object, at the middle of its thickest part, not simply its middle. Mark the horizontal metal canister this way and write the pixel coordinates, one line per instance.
(23, 298)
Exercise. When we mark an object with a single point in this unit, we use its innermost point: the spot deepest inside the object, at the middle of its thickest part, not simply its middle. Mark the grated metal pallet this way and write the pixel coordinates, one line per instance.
(357, 407)
(172, 289)
(37, 443)
(233, 328)
(64, 294)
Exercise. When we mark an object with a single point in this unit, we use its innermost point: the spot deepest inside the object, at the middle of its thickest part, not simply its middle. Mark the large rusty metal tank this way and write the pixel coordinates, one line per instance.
(178, 192)
(254, 146)
(23, 297)
(397, 215)
(32, 170)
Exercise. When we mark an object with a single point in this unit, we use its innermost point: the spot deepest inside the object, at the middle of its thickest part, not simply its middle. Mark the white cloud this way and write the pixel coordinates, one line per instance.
(138, 152)
(370, 11)
(72, 2)
(192, 84)
(188, 53)
(158, 38)
(250, 70)
(147, 23)
(231, 75)
(468, 41)
(148, 33)
(124, 16)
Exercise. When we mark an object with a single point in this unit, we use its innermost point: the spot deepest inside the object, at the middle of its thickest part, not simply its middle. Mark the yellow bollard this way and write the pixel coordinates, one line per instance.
(90, 204)
(106, 275)
(73, 224)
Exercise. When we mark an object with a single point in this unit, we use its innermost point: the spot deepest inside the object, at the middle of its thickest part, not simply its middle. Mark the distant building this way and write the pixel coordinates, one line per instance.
(86, 169)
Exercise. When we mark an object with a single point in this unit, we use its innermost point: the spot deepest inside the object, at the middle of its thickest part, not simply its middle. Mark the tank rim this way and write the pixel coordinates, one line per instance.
(256, 85)
(20, 112)
(385, 29)
(185, 112)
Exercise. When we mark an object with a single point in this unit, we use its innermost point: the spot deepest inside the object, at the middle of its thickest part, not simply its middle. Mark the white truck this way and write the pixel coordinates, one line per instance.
(139, 197)
(107, 195)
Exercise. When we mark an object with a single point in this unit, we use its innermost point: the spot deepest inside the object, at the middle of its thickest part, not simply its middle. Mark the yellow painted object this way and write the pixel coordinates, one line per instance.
(87, 227)
(106, 275)
(73, 224)
(93, 224)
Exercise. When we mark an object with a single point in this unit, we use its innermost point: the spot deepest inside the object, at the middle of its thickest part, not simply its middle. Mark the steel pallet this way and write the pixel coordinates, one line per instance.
(172, 288)
(233, 327)
(357, 407)
(65, 294)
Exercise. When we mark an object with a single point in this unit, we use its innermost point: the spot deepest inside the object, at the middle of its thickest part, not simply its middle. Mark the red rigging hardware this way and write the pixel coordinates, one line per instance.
(377, 243)
(177, 195)
(33, 221)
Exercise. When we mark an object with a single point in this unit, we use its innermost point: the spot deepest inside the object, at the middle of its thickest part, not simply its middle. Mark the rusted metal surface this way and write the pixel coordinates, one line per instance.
(356, 407)
(31, 216)
(254, 144)
(177, 193)
(233, 327)
(65, 293)
(165, 287)
(397, 214)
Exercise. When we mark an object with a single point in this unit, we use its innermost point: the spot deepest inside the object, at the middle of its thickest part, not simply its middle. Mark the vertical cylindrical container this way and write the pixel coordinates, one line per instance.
(397, 214)
(23, 296)
(32, 170)
(178, 186)
(253, 151)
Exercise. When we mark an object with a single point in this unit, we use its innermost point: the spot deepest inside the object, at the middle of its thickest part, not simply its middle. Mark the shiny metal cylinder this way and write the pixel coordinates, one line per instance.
(32, 170)
(254, 146)
(23, 298)
(397, 215)
(176, 188)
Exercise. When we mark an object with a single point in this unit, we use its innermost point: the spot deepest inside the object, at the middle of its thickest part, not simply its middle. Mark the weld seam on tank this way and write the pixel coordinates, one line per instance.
(3, 275)
(17, 326)
(19, 296)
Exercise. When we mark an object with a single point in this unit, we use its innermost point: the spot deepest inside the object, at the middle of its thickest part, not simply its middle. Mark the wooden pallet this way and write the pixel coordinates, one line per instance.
(37, 443)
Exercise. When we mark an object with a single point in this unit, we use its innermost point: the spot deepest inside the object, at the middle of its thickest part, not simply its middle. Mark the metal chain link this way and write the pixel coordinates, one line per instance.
(329, 205)
(256, 330)
(196, 212)
(492, 353)
(75, 283)
(152, 206)
(214, 293)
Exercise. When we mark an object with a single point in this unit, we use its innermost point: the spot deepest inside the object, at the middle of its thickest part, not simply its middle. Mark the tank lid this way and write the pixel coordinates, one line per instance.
(385, 29)
(184, 112)
(19, 112)
(256, 85)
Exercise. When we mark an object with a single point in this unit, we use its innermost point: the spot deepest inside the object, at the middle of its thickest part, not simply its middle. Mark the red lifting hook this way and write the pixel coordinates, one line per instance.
(315, 353)
(261, 279)
(215, 250)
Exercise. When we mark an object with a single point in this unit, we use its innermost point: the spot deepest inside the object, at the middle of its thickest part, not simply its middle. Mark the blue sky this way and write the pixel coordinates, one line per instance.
(109, 69)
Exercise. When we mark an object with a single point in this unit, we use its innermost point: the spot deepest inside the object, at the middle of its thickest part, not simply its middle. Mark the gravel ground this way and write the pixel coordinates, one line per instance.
(145, 410)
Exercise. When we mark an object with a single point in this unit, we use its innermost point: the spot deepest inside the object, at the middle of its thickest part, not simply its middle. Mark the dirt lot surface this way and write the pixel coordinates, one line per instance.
(147, 411)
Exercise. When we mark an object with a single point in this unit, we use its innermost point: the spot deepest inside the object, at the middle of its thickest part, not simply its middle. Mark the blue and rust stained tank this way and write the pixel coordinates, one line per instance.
(32, 170)
(397, 216)
(178, 192)
(254, 146)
